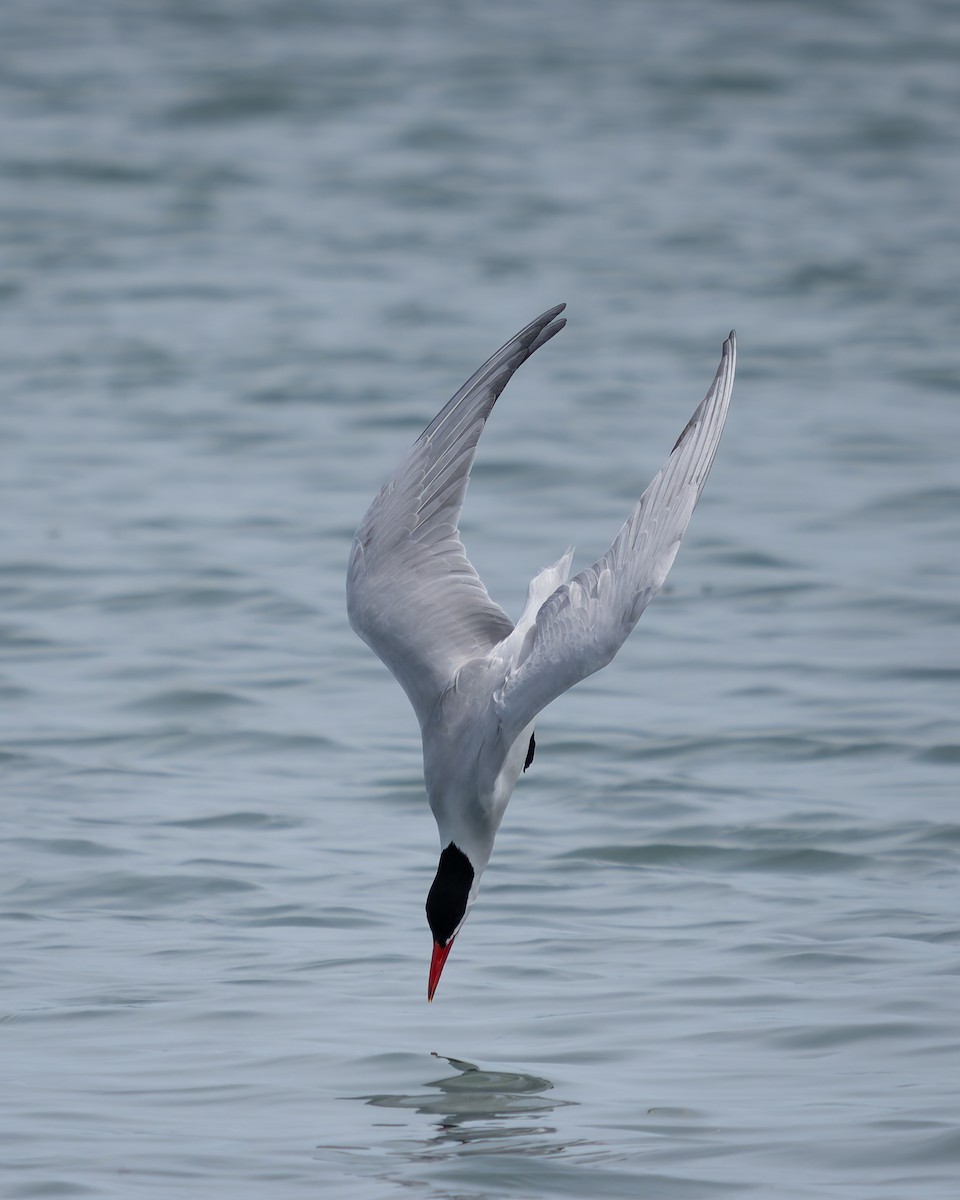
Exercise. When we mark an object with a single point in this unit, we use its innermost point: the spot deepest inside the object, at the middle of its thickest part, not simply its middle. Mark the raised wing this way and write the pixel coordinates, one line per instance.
(582, 625)
(412, 594)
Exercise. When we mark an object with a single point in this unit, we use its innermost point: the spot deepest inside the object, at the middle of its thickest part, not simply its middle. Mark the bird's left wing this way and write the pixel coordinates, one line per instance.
(412, 593)
(581, 626)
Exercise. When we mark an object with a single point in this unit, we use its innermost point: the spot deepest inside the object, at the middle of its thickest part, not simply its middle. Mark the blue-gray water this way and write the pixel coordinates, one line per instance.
(247, 249)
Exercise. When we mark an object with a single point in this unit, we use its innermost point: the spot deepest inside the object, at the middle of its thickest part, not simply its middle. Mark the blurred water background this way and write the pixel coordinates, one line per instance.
(247, 249)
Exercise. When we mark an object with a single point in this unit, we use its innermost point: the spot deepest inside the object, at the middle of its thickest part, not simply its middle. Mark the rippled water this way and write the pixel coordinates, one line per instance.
(246, 251)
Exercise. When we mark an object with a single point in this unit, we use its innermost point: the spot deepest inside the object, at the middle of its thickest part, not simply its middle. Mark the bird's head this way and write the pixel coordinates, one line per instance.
(449, 898)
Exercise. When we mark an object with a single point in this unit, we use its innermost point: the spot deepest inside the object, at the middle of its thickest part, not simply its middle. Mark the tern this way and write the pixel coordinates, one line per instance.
(477, 681)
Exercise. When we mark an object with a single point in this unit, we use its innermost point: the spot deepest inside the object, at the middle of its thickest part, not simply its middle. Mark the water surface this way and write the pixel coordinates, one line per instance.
(246, 252)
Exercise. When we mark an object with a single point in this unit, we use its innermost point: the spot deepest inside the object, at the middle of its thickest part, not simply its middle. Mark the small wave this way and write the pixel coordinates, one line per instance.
(807, 860)
(189, 700)
(234, 820)
(129, 890)
(944, 755)
(69, 847)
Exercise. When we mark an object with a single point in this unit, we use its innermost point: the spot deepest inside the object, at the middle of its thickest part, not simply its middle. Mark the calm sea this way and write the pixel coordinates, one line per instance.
(247, 250)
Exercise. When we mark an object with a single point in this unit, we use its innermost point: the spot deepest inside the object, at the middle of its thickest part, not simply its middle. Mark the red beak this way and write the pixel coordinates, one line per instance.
(436, 966)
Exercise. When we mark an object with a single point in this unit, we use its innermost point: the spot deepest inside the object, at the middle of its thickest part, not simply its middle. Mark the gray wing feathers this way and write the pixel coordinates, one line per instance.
(582, 625)
(412, 594)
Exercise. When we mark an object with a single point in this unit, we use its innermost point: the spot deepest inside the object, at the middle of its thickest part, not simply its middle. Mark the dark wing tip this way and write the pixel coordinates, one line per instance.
(728, 360)
(548, 325)
(547, 333)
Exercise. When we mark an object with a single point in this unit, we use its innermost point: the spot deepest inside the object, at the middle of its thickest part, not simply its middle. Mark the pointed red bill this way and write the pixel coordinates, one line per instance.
(436, 966)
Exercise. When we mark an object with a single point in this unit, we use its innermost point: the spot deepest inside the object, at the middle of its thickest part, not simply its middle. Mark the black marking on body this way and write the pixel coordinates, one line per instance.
(449, 893)
(530, 753)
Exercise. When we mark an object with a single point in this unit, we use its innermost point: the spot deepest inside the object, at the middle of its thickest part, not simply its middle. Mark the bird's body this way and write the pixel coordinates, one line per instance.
(477, 681)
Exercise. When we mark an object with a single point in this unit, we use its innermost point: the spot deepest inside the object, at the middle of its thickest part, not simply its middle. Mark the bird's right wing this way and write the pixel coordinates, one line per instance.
(412, 593)
(581, 626)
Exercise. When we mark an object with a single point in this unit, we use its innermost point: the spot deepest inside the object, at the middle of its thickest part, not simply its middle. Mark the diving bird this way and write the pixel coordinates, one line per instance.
(477, 681)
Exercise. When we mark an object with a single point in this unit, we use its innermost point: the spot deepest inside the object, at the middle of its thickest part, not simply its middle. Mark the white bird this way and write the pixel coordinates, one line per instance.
(477, 681)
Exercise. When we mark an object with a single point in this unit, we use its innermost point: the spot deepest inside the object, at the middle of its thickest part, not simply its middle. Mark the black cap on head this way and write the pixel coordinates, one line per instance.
(448, 896)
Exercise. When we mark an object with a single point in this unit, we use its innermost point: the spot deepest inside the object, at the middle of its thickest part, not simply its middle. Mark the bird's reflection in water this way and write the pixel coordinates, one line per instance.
(476, 1107)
